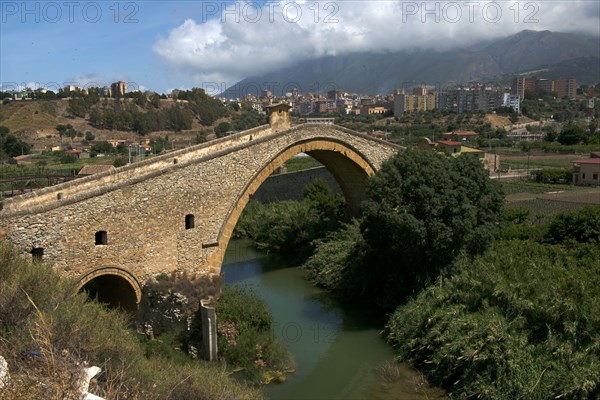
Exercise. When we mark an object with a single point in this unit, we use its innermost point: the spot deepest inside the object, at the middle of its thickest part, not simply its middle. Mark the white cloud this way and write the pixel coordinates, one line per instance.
(242, 43)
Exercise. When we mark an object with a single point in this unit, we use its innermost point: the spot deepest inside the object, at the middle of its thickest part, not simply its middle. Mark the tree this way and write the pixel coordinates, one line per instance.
(593, 126)
(4, 131)
(422, 210)
(66, 130)
(67, 158)
(582, 226)
(102, 148)
(572, 134)
(12, 146)
(119, 162)
(222, 129)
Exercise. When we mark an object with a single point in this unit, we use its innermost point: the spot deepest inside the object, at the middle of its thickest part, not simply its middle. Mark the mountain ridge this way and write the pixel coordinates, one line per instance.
(575, 55)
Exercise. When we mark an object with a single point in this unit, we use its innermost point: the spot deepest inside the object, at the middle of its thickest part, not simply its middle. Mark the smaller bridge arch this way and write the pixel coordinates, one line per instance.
(113, 286)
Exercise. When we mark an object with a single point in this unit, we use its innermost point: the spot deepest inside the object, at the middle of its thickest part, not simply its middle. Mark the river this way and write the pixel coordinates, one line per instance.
(336, 349)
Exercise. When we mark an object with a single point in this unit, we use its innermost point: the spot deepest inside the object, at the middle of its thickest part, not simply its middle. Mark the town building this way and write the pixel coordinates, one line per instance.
(72, 88)
(118, 89)
(513, 101)
(521, 84)
(365, 111)
(586, 171)
(470, 100)
(564, 87)
(414, 102)
(491, 162)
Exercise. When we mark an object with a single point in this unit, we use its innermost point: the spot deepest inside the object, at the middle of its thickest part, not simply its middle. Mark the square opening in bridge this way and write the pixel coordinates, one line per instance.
(189, 221)
(37, 253)
(101, 238)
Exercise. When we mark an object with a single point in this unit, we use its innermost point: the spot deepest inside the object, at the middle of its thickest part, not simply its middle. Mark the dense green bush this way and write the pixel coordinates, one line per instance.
(582, 226)
(552, 175)
(291, 226)
(422, 210)
(245, 336)
(517, 224)
(520, 322)
(336, 263)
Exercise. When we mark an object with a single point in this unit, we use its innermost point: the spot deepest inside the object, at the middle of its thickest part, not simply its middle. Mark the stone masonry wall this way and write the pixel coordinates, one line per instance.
(290, 186)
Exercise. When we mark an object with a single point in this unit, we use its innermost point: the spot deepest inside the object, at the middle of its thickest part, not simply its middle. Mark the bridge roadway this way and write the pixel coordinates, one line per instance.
(175, 212)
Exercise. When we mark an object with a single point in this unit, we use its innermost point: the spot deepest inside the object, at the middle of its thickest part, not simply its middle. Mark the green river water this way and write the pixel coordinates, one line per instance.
(336, 349)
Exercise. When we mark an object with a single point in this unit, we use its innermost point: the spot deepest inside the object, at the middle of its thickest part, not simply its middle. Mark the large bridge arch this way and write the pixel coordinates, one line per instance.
(116, 287)
(348, 166)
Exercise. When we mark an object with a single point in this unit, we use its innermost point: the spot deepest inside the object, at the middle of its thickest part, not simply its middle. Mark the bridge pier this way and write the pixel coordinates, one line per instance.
(209, 330)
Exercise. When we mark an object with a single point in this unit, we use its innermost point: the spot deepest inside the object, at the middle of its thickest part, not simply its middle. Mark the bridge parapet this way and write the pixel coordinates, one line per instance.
(94, 185)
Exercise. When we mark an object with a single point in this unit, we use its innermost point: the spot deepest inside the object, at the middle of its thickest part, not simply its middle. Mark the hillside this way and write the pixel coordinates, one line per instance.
(557, 54)
(36, 121)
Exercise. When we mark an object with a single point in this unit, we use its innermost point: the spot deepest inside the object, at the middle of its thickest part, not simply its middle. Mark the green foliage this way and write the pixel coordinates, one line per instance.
(222, 129)
(572, 134)
(247, 120)
(12, 146)
(336, 263)
(291, 226)
(102, 148)
(66, 130)
(556, 147)
(206, 108)
(581, 227)
(517, 224)
(245, 308)
(517, 322)
(4, 131)
(552, 175)
(128, 117)
(80, 105)
(119, 162)
(301, 163)
(159, 144)
(422, 210)
(245, 336)
(285, 226)
(67, 158)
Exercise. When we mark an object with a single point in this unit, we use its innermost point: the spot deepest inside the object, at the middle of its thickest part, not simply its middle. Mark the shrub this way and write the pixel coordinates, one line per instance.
(580, 226)
(292, 226)
(245, 336)
(552, 175)
(518, 322)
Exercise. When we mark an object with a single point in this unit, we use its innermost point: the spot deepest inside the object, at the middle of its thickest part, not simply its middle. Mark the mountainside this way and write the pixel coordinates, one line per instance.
(557, 54)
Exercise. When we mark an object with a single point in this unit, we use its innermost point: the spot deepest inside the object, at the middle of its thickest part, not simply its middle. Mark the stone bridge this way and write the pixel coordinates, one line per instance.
(177, 211)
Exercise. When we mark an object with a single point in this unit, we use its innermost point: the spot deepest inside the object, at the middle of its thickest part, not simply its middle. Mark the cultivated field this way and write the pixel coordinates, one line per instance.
(545, 200)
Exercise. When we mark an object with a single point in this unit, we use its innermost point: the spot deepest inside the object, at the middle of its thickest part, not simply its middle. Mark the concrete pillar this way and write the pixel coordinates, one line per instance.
(209, 330)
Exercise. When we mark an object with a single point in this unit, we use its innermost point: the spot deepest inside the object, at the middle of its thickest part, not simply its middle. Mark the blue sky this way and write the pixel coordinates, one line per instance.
(161, 45)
